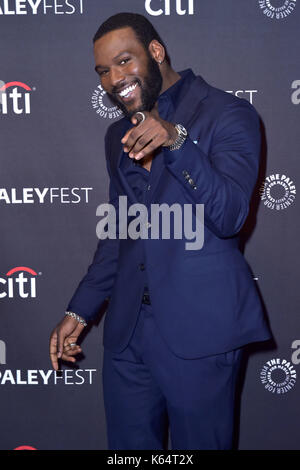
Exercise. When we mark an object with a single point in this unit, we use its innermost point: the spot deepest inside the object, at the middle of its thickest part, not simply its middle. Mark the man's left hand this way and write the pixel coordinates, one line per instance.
(149, 135)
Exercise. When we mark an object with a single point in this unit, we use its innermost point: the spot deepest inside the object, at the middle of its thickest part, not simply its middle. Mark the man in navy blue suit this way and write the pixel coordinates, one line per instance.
(178, 318)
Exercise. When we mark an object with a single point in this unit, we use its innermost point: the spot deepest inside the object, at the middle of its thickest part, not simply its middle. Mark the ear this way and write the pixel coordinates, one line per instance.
(157, 51)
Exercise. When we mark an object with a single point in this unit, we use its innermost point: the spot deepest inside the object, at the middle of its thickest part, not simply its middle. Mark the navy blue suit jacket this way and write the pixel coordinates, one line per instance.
(204, 301)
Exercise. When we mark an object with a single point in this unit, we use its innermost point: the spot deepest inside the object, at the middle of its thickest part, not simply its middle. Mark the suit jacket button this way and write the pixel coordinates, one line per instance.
(191, 181)
(185, 173)
(142, 267)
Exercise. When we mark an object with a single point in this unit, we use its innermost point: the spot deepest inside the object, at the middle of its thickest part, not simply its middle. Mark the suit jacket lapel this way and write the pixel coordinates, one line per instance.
(188, 108)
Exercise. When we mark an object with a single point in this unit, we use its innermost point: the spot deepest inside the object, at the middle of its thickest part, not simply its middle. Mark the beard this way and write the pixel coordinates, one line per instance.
(150, 90)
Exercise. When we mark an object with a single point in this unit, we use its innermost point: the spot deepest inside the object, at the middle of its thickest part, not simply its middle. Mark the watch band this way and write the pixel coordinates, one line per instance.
(182, 135)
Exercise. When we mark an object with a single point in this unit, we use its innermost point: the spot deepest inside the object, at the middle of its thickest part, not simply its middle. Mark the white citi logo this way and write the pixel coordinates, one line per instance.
(33, 7)
(277, 12)
(15, 97)
(165, 7)
(102, 106)
(278, 192)
(19, 286)
(295, 97)
(278, 376)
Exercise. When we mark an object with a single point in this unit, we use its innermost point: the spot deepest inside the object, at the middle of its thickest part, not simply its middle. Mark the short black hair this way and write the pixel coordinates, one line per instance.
(144, 30)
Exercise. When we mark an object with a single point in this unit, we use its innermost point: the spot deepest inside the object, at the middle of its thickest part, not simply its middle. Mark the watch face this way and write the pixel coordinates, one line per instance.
(182, 129)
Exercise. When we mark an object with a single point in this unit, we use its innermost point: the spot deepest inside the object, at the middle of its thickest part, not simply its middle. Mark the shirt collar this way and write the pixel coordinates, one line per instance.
(177, 90)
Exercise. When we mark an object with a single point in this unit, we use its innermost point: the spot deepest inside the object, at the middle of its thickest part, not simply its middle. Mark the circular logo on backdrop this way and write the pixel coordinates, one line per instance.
(278, 376)
(277, 9)
(102, 105)
(278, 192)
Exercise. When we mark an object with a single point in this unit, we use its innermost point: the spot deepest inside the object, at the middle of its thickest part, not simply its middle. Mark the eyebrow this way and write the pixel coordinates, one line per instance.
(115, 58)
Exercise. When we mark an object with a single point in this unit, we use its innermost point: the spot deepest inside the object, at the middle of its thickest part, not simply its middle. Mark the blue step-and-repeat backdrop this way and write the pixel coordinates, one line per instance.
(53, 117)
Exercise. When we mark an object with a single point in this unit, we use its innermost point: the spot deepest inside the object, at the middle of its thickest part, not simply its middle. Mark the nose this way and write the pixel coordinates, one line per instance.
(116, 76)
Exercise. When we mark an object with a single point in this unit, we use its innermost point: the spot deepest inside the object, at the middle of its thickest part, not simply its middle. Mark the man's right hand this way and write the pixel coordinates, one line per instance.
(65, 333)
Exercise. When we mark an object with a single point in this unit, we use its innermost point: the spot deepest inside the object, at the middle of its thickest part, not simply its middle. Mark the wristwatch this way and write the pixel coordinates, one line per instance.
(182, 135)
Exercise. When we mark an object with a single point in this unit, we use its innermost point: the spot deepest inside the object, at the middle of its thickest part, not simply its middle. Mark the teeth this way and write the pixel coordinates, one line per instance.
(127, 90)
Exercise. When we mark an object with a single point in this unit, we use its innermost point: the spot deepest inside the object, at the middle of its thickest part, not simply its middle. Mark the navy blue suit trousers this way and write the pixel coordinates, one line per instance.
(148, 390)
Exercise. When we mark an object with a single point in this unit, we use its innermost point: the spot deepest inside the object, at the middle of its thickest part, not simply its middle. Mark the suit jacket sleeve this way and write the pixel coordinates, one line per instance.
(222, 180)
(98, 282)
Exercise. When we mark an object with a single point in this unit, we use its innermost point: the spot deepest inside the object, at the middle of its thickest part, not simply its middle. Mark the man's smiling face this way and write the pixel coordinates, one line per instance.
(128, 73)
